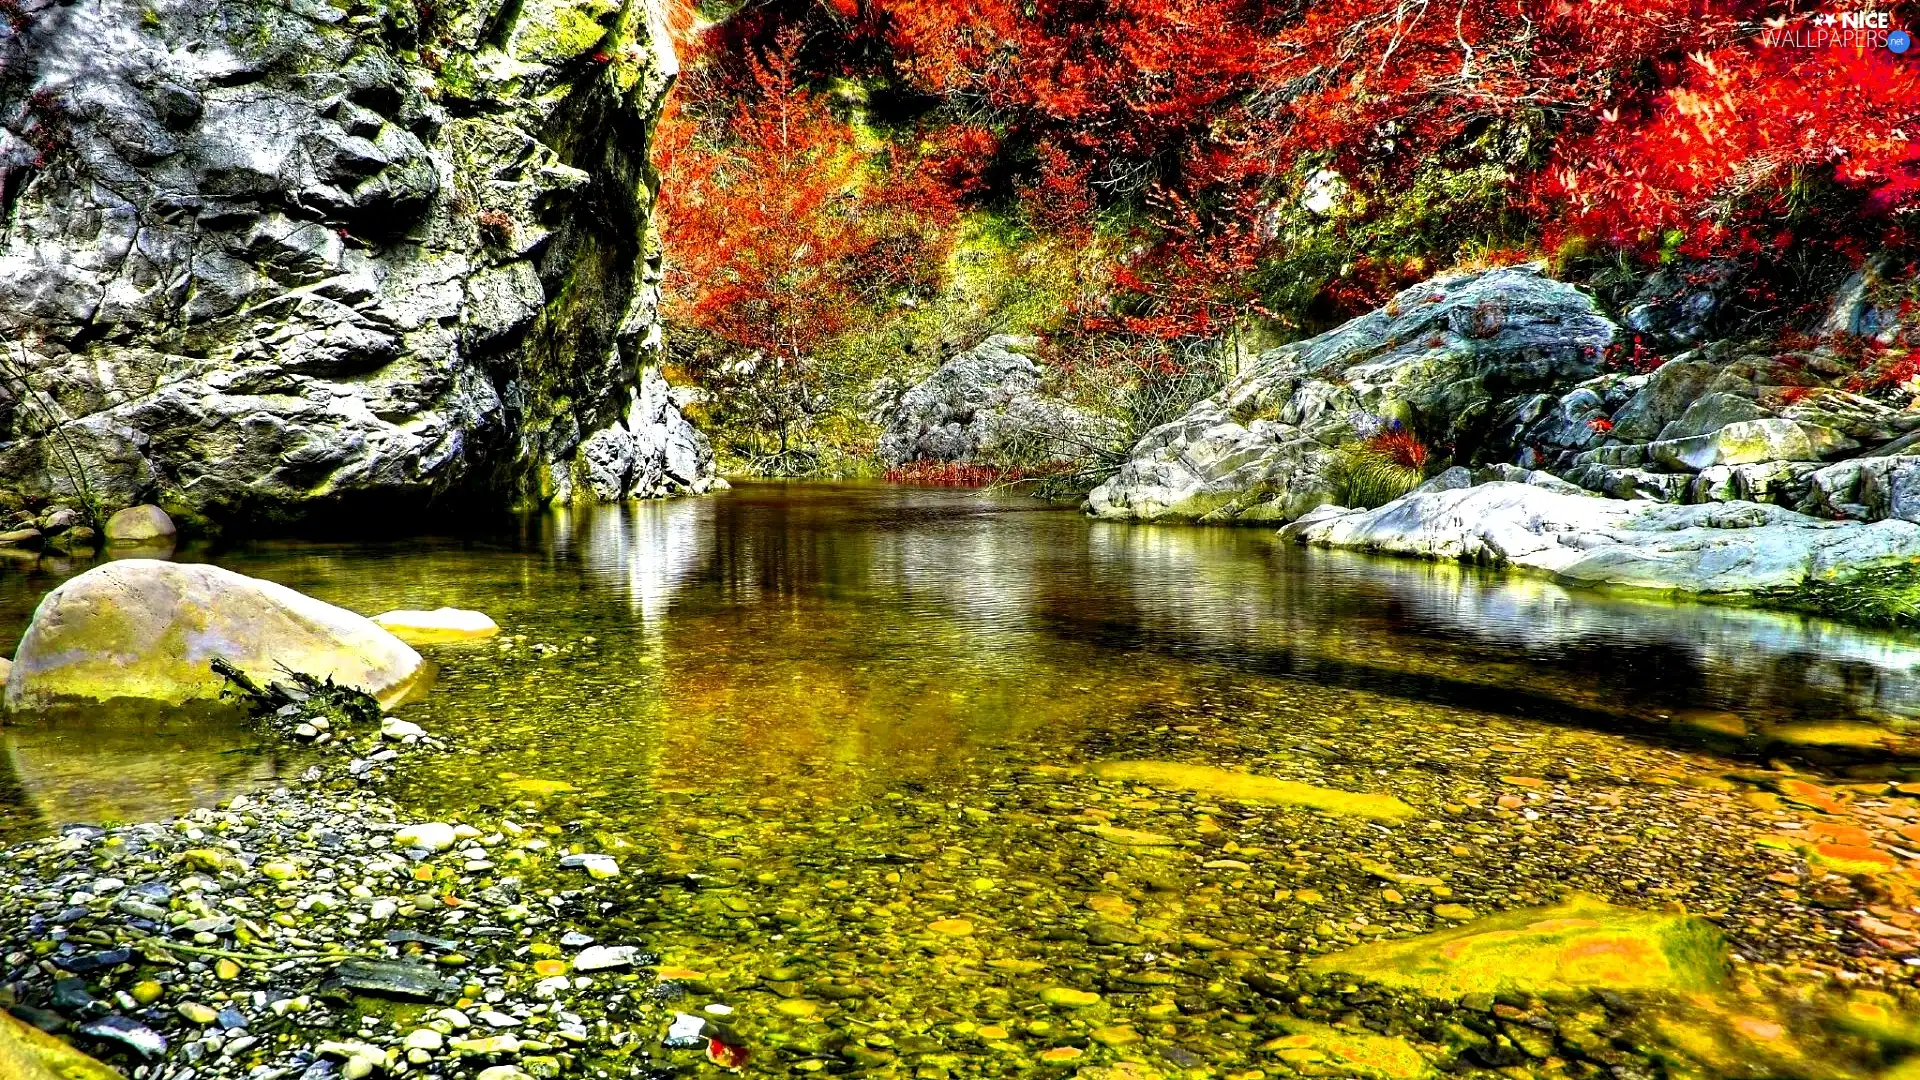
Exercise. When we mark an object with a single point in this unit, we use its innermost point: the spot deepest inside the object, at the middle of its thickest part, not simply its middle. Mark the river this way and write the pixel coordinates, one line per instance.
(853, 735)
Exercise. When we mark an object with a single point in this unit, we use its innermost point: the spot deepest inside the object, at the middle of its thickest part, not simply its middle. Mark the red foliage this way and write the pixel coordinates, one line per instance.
(780, 228)
(950, 474)
(1646, 125)
(1406, 449)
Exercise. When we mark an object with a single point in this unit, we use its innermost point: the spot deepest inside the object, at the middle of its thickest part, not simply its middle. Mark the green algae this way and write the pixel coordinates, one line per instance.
(1320, 1050)
(1581, 944)
(1248, 787)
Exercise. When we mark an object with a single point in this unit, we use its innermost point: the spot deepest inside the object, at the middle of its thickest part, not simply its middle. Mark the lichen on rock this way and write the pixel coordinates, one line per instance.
(262, 259)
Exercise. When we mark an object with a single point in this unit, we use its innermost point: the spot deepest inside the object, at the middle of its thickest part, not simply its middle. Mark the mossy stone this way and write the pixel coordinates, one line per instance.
(1579, 945)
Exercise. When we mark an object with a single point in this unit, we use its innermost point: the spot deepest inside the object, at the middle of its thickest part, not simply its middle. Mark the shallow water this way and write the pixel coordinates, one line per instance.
(839, 738)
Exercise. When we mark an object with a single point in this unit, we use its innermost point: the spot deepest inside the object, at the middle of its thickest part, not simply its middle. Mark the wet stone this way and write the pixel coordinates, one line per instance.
(400, 980)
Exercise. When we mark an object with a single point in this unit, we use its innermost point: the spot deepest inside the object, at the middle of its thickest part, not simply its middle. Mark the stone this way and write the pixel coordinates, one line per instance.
(1580, 945)
(1066, 997)
(987, 406)
(1711, 412)
(1731, 549)
(144, 524)
(1237, 786)
(437, 627)
(143, 628)
(392, 727)
(1321, 1050)
(27, 1053)
(356, 238)
(1114, 834)
(399, 979)
(602, 957)
(1446, 359)
(1772, 439)
(129, 1033)
(1679, 303)
(196, 1013)
(26, 539)
(430, 835)
(598, 867)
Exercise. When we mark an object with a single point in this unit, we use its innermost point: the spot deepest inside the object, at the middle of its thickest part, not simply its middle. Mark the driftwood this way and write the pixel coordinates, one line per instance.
(310, 696)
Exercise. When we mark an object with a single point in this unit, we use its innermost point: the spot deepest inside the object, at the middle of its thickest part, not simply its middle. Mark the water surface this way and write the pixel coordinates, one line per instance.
(841, 733)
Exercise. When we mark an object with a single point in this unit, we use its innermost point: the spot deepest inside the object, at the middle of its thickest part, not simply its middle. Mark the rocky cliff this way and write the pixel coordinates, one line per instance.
(260, 259)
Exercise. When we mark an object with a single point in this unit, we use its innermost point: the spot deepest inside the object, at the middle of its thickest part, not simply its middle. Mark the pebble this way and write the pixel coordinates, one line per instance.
(599, 957)
(598, 867)
(430, 835)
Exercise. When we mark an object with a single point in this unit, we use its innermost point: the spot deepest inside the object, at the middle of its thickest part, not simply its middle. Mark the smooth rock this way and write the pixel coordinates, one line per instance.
(1248, 787)
(1772, 439)
(601, 957)
(145, 524)
(1733, 548)
(400, 979)
(142, 628)
(1580, 945)
(430, 835)
(392, 727)
(439, 626)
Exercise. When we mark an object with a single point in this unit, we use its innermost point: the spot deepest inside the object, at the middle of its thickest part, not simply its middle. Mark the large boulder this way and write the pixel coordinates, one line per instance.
(27, 1053)
(1447, 359)
(986, 406)
(1728, 548)
(261, 259)
(147, 629)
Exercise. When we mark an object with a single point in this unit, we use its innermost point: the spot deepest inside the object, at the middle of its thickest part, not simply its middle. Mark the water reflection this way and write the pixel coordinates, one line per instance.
(120, 764)
(842, 632)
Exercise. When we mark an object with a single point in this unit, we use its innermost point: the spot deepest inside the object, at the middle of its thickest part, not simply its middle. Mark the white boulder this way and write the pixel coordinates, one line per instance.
(438, 626)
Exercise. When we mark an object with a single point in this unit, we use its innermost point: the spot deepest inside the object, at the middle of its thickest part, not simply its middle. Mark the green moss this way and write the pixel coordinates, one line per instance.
(1882, 597)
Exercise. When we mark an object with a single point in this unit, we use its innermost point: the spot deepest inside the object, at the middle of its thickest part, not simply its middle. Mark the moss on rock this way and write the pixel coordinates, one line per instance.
(1581, 944)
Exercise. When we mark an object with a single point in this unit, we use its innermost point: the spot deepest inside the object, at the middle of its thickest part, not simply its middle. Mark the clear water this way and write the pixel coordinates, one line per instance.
(840, 733)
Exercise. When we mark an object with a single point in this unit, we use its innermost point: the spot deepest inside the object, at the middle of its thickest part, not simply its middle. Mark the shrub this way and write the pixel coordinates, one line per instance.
(1364, 476)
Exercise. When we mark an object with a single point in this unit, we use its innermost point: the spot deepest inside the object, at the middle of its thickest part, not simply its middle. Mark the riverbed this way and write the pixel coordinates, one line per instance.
(856, 747)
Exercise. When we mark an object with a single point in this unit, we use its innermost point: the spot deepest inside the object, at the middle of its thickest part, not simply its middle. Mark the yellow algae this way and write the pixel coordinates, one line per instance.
(1113, 834)
(1236, 786)
(1581, 944)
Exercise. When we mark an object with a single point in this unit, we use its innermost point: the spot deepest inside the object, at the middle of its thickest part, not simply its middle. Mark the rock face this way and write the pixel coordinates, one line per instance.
(1734, 548)
(146, 629)
(259, 259)
(984, 406)
(1446, 359)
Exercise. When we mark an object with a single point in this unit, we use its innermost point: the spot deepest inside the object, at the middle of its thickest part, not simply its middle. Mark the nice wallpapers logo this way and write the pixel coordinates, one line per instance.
(1840, 30)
